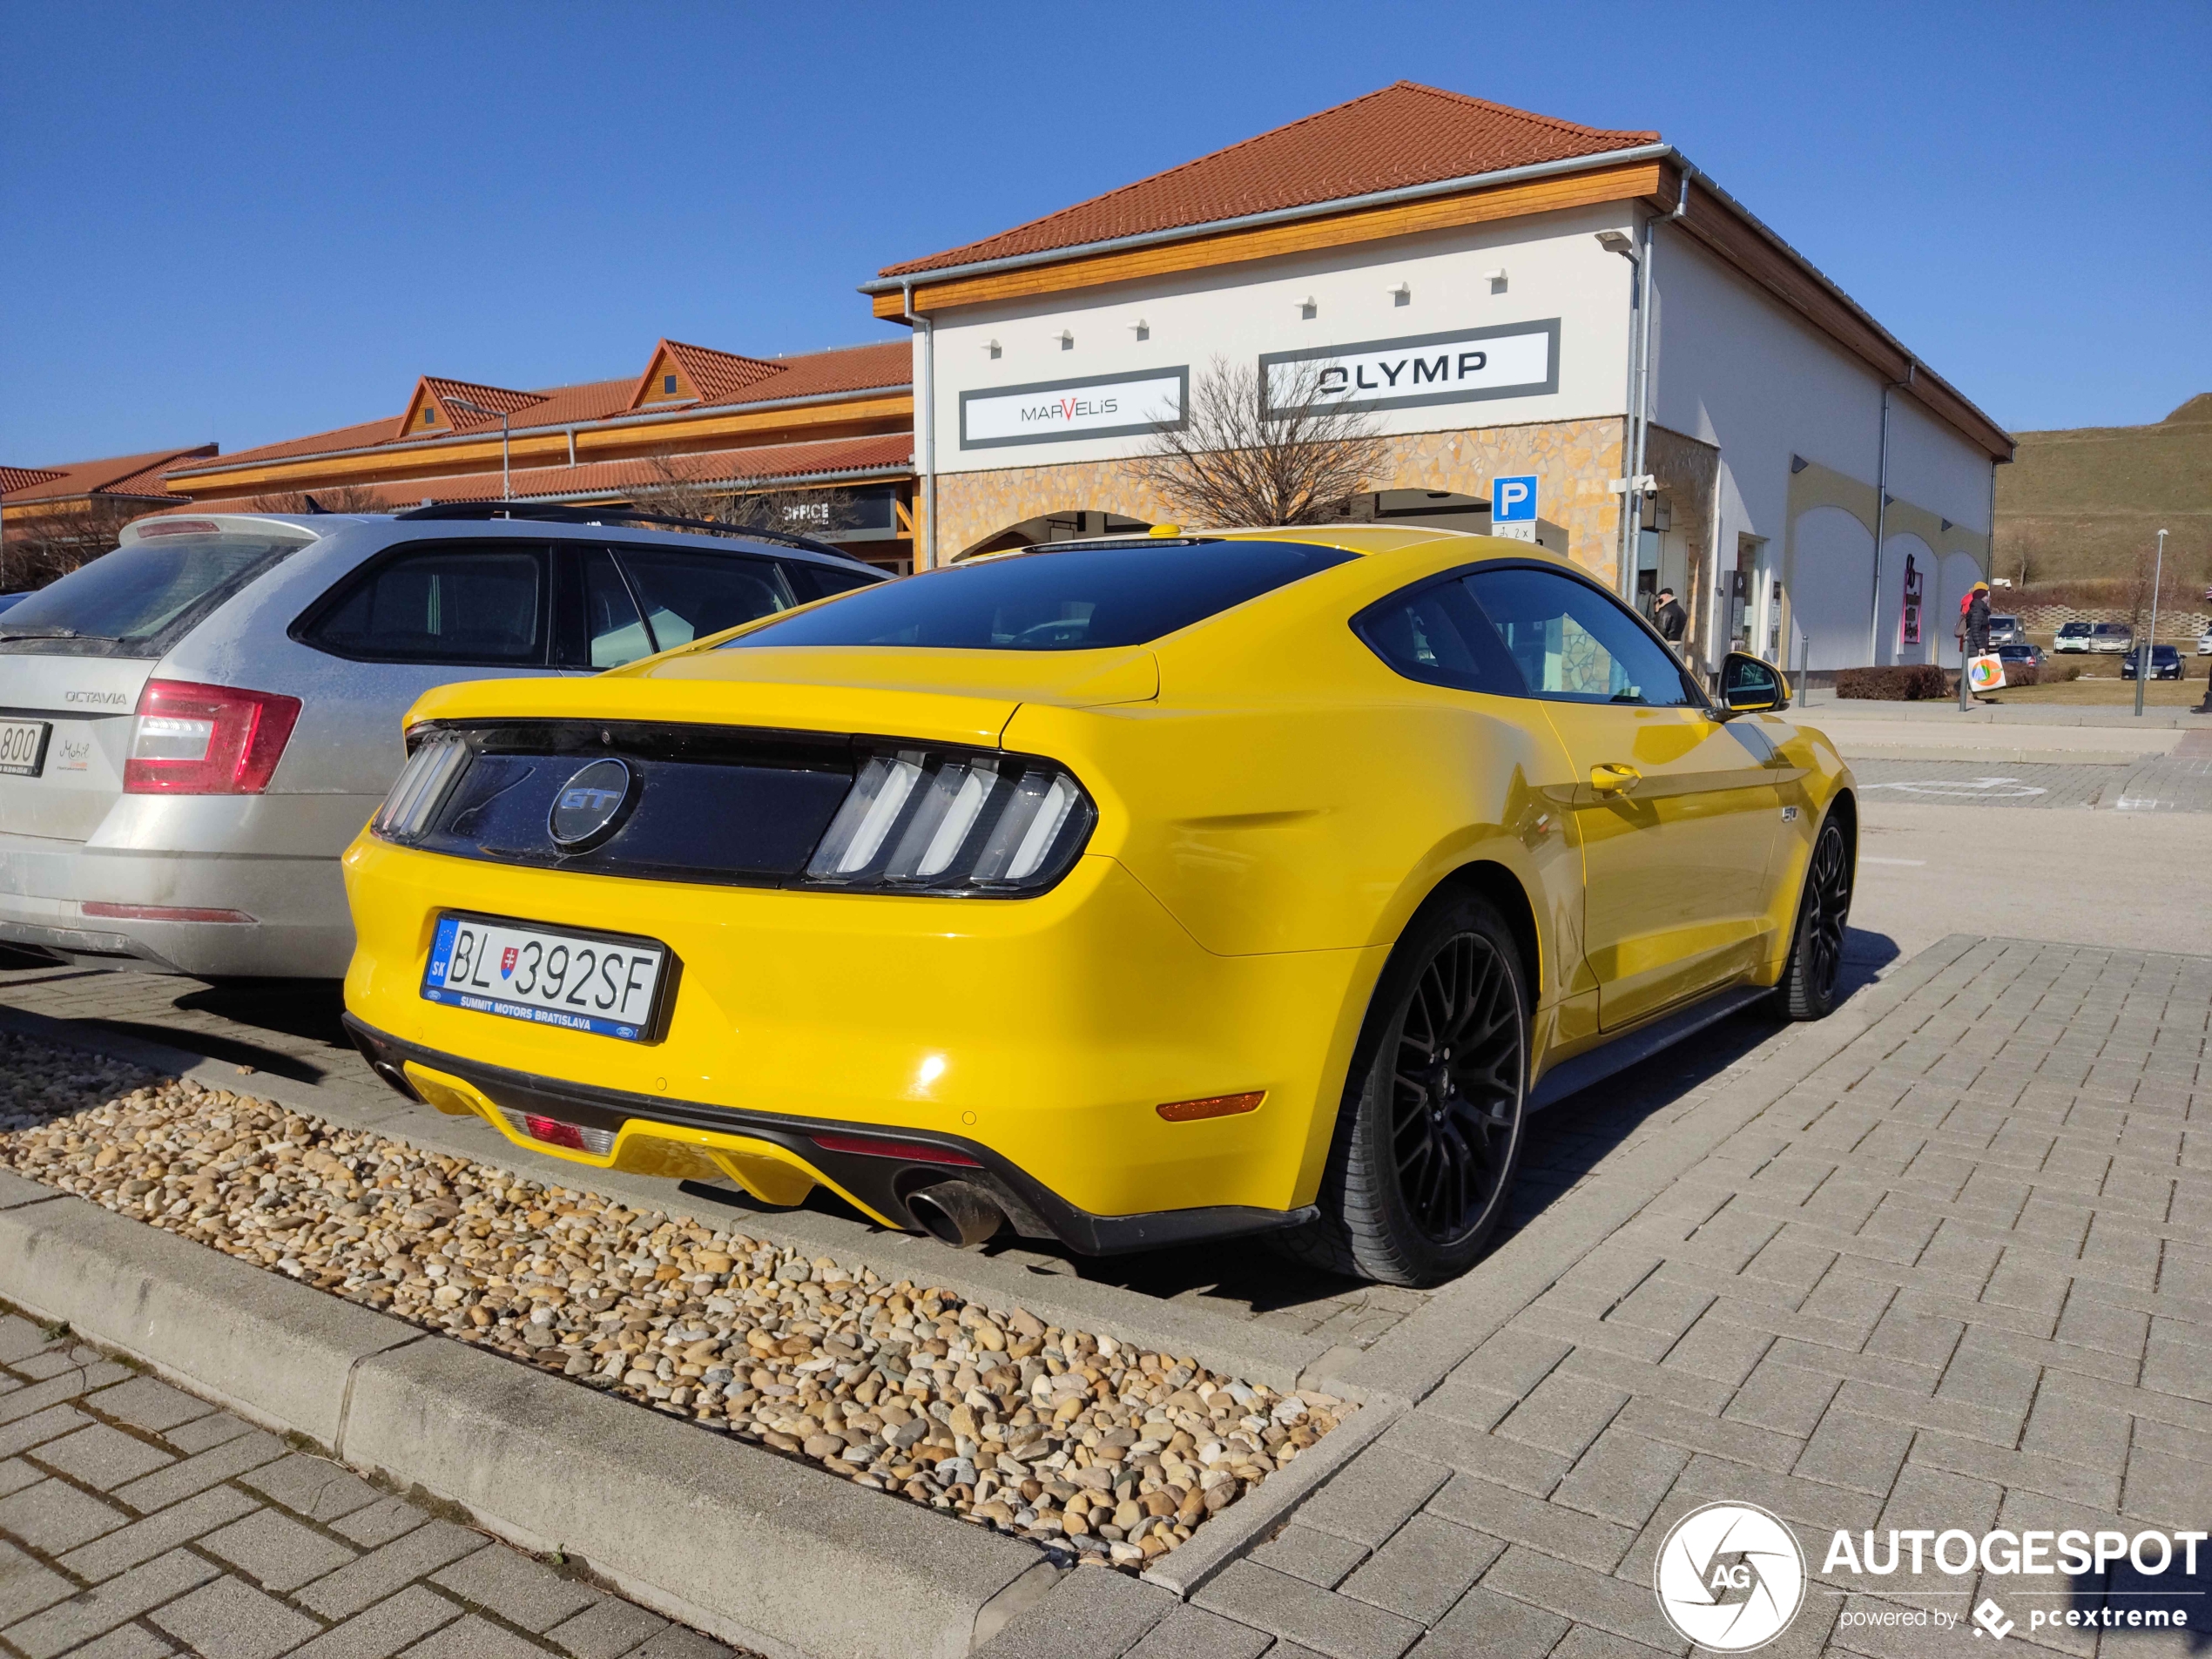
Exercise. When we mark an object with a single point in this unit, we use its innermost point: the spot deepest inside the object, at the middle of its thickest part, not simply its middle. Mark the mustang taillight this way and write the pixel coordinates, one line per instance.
(420, 788)
(194, 740)
(954, 821)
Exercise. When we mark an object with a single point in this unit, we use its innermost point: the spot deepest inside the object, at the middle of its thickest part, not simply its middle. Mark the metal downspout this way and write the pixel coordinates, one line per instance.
(1639, 403)
(926, 425)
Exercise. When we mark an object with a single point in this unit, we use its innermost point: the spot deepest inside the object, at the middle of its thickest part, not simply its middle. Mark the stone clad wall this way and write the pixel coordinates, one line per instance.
(1573, 460)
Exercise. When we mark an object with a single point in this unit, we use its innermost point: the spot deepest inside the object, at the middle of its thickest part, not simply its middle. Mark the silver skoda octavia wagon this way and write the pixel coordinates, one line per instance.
(194, 726)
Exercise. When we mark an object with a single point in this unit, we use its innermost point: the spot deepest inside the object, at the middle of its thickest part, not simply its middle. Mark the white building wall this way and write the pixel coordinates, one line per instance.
(1741, 371)
(1553, 266)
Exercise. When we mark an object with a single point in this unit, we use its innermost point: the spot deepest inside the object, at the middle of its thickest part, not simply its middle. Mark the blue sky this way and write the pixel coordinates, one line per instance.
(250, 222)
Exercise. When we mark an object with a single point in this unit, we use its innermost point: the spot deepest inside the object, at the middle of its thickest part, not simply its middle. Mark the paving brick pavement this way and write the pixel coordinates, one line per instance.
(137, 1522)
(1954, 1272)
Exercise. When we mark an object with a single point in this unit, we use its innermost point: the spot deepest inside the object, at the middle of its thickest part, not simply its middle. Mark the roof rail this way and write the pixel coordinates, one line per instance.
(556, 513)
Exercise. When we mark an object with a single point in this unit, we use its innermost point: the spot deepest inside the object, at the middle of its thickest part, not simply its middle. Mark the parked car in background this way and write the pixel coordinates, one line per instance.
(2111, 638)
(7, 600)
(2025, 654)
(2165, 663)
(2072, 636)
(2006, 630)
(2204, 644)
(197, 723)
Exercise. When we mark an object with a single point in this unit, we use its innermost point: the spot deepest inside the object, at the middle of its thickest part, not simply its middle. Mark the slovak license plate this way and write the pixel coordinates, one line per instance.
(22, 746)
(553, 976)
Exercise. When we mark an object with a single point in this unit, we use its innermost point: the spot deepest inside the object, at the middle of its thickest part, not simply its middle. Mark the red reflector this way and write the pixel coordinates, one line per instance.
(554, 1132)
(191, 739)
(159, 911)
(868, 1147)
(1183, 1111)
(179, 527)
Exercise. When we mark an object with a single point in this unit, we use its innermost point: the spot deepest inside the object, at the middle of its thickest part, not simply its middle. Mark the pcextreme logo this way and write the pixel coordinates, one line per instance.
(1730, 1577)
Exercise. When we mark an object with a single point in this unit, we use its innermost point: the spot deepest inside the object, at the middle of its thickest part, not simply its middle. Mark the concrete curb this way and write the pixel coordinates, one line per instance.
(750, 1546)
(1252, 1350)
(1255, 1519)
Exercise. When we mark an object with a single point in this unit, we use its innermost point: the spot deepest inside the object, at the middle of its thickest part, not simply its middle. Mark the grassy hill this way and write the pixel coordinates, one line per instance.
(2085, 506)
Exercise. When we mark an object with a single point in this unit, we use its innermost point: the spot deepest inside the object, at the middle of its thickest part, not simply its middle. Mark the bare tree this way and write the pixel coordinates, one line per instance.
(678, 488)
(52, 544)
(1280, 452)
(334, 498)
(2027, 557)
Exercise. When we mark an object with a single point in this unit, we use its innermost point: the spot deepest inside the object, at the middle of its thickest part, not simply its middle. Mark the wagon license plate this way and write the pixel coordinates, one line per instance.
(23, 747)
(553, 976)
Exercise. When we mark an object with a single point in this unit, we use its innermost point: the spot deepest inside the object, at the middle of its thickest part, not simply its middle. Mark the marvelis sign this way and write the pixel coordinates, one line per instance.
(1097, 406)
(1517, 360)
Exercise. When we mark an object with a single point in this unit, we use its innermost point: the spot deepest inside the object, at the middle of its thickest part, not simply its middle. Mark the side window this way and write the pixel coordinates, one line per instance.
(443, 605)
(614, 633)
(1574, 644)
(821, 581)
(1437, 634)
(688, 594)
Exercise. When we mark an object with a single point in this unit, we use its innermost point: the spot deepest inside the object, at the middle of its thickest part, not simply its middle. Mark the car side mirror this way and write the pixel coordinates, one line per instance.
(1749, 686)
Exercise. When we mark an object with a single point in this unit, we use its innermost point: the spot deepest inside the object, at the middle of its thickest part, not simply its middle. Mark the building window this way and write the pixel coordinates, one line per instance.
(429, 417)
(668, 385)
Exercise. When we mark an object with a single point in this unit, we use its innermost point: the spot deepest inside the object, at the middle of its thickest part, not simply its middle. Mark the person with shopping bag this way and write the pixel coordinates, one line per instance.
(1978, 670)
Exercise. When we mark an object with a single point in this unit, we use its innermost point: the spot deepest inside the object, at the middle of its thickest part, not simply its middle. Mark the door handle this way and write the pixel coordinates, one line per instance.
(1611, 778)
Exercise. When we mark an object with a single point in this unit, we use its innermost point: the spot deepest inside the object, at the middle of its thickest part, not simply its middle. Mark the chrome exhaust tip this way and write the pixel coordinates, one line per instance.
(959, 1212)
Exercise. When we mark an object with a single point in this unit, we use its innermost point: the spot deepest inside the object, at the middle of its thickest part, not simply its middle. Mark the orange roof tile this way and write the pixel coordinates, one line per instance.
(139, 475)
(762, 464)
(1404, 135)
(847, 368)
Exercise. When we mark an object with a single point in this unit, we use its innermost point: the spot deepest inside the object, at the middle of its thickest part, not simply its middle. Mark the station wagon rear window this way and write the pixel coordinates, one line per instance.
(139, 599)
(1077, 599)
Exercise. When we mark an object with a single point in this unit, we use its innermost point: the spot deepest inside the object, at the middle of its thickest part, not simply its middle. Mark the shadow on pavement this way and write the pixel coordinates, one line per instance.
(195, 1040)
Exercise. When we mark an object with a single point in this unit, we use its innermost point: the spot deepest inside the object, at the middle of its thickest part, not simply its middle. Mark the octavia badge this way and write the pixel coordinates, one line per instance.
(592, 806)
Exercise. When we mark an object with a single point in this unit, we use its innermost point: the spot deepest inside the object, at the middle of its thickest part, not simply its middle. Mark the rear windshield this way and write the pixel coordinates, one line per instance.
(1078, 599)
(141, 598)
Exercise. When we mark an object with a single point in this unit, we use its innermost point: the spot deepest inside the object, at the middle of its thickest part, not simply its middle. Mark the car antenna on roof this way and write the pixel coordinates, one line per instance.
(315, 506)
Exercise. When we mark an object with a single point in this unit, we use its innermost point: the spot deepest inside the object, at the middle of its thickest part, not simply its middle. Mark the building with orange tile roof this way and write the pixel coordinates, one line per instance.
(1574, 316)
(80, 502)
(695, 421)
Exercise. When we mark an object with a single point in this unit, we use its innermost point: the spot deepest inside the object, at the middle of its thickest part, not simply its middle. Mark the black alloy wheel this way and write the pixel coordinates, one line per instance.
(1816, 964)
(1430, 1132)
(1455, 1091)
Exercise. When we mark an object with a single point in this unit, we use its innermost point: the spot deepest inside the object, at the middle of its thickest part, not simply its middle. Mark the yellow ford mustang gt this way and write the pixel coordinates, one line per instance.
(1127, 893)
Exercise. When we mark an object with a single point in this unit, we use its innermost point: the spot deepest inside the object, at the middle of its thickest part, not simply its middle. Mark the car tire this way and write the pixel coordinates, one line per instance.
(1422, 1161)
(1811, 977)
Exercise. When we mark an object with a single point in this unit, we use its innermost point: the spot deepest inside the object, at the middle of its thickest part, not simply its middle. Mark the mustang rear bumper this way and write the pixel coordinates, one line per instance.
(662, 1137)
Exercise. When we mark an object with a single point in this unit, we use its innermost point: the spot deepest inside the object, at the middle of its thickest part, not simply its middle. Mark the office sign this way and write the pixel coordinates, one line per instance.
(1465, 366)
(1096, 406)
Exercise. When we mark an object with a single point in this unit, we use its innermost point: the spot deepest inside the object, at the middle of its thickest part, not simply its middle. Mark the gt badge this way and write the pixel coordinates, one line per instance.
(592, 806)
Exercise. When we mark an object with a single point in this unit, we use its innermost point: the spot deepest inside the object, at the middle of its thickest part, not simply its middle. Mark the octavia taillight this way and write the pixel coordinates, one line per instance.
(954, 821)
(194, 740)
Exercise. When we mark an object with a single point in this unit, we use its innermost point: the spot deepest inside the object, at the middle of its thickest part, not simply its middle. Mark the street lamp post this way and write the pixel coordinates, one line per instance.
(506, 489)
(2149, 647)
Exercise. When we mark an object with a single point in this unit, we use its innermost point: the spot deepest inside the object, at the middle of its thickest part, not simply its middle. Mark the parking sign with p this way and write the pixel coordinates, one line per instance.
(1512, 507)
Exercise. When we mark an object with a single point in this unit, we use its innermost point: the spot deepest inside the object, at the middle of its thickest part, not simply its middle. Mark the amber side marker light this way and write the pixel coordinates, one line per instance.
(1183, 1111)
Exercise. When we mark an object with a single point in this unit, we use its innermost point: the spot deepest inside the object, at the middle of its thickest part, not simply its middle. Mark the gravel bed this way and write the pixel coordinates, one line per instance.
(1070, 1439)
(39, 1082)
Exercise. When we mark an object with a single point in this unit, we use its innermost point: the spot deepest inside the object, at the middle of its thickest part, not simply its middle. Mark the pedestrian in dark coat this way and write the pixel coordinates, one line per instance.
(1669, 618)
